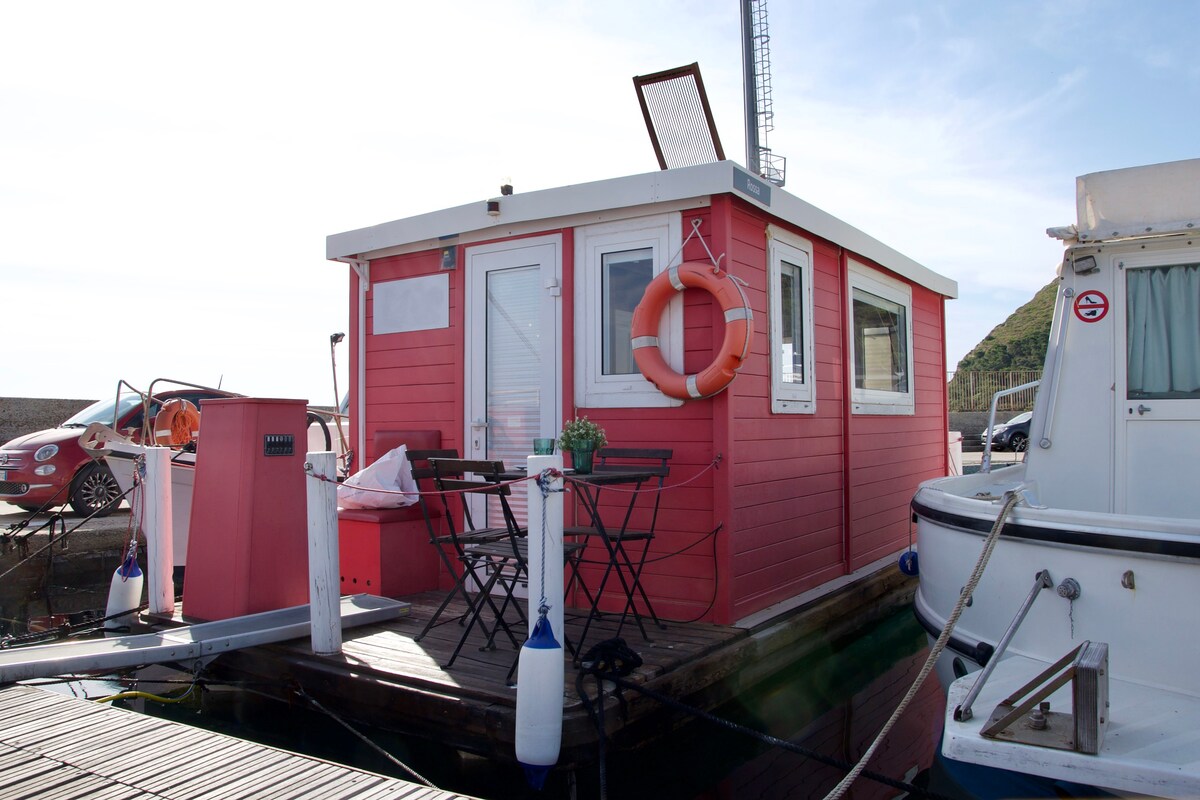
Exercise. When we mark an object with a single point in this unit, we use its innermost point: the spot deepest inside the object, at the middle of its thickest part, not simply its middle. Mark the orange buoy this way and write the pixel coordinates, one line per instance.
(739, 325)
(177, 423)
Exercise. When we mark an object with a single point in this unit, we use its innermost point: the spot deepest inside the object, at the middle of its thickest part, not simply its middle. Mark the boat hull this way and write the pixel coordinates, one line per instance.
(1130, 582)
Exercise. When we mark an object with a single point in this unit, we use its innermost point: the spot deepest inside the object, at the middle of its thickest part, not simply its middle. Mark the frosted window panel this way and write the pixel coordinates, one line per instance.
(412, 304)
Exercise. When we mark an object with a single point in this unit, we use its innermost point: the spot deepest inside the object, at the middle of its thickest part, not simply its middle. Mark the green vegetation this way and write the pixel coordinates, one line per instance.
(1017, 344)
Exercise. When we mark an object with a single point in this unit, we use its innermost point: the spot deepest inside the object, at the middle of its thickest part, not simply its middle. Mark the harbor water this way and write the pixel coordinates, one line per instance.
(832, 702)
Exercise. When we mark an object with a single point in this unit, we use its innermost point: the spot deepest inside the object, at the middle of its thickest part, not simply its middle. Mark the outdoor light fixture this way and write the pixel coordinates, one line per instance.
(493, 208)
(1085, 265)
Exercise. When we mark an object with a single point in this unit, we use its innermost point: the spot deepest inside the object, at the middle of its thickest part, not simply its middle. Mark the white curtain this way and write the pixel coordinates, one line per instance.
(1164, 331)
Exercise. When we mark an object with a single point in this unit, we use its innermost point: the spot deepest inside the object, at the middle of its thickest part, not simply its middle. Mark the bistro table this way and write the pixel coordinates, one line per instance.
(588, 488)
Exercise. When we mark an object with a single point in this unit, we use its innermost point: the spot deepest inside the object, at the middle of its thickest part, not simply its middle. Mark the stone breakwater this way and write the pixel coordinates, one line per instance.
(22, 415)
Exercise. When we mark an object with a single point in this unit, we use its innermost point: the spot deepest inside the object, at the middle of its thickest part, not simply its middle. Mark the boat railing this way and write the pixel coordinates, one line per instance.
(986, 466)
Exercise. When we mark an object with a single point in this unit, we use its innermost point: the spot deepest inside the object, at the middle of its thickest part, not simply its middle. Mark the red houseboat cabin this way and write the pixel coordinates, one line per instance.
(491, 323)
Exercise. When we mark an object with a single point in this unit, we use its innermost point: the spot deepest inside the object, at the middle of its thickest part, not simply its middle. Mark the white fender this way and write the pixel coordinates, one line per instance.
(124, 594)
(540, 674)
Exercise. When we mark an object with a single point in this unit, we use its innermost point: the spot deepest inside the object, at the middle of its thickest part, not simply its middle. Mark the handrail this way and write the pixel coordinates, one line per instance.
(1054, 362)
(987, 447)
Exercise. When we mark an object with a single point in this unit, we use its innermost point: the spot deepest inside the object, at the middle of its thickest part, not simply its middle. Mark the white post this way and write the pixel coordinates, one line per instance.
(155, 517)
(546, 547)
(324, 580)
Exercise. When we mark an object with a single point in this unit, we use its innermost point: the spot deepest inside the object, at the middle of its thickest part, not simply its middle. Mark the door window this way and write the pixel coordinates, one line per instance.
(1163, 336)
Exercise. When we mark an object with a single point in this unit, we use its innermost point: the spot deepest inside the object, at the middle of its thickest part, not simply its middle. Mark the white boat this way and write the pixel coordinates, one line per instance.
(1100, 538)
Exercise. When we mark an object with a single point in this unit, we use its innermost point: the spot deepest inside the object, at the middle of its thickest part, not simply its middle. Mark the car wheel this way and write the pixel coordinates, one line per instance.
(1019, 442)
(95, 491)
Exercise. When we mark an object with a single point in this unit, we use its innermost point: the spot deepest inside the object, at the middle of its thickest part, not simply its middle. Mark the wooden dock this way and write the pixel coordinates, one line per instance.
(55, 747)
(385, 679)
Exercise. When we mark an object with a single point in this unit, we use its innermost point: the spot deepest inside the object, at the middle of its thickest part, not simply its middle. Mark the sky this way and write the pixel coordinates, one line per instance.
(169, 171)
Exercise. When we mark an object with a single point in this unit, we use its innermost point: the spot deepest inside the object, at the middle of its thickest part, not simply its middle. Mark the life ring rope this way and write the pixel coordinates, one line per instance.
(739, 329)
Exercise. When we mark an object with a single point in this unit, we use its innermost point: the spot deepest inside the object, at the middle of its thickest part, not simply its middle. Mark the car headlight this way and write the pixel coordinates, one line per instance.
(46, 452)
(44, 470)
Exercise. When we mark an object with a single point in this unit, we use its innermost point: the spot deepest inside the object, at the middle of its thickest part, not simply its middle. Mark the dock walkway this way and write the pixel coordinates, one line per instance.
(55, 746)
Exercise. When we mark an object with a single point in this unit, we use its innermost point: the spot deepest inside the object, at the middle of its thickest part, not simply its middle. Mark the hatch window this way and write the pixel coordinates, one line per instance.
(881, 342)
(1163, 337)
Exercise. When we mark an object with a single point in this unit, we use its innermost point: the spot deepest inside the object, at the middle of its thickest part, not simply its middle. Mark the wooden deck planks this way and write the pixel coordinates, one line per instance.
(55, 747)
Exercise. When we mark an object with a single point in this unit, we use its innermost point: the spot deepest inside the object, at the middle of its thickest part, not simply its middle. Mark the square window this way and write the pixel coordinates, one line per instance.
(881, 343)
(791, 335)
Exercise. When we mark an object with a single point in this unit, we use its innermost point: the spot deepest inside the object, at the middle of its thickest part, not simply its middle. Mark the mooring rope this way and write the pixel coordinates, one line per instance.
(365, 740)
(1012, 497)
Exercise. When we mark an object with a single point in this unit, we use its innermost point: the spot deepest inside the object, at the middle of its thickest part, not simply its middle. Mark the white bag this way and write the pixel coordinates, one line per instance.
(391, 472)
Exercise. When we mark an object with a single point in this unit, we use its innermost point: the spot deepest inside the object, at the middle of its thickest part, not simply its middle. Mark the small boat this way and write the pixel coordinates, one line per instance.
(1074, 653)
(179, 429)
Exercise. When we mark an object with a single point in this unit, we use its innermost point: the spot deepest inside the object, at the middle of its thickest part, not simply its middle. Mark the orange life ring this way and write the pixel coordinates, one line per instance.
(739, 325)
(177, 422)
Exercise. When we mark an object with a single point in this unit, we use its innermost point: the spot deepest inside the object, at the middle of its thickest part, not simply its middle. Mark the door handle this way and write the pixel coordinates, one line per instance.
(478, 424)
(1142, 409)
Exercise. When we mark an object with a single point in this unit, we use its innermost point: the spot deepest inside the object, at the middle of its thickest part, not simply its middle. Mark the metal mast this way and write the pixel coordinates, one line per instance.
(760, 116)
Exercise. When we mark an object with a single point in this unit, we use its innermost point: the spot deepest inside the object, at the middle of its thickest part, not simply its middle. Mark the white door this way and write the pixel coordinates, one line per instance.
(514, 354)
(1158, 386)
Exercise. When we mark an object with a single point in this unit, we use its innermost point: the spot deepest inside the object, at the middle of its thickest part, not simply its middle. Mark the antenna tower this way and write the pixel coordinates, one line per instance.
(760, 116)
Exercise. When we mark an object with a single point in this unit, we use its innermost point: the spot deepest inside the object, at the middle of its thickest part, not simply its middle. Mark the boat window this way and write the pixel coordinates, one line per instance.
(790, 323)
(614, 262)
(1163, 336)
(881, 342)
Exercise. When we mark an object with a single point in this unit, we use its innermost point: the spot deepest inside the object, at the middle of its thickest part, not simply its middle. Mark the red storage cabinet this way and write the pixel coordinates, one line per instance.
(248, 542)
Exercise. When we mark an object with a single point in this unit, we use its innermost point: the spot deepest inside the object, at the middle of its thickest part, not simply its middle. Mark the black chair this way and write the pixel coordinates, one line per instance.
(445, 537)
(492, 557)
(631, 459)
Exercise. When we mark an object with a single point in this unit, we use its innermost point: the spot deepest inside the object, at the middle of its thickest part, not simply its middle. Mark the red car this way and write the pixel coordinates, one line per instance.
(49, 468)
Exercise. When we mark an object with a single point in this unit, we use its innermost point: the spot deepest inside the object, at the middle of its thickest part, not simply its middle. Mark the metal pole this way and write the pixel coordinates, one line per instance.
(963, 712)
(750, 88)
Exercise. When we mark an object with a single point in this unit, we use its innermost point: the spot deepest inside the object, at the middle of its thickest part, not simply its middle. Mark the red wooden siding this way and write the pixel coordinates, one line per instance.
(799, 499)
(890, 455)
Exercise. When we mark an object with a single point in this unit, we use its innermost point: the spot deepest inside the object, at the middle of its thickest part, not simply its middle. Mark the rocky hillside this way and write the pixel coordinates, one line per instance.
(1020, 341)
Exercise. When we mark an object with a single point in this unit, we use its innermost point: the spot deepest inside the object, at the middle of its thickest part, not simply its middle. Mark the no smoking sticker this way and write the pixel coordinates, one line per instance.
(1091, 306)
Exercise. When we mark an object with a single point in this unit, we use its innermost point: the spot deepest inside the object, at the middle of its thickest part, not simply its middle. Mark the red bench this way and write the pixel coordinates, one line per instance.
(386, 551)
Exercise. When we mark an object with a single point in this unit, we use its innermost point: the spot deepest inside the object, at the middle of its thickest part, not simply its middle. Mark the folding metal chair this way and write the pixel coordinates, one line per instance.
(445, 537)
(497, 553)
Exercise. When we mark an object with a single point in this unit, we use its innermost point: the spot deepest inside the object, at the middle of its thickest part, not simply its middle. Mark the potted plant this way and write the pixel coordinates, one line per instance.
(582, 437)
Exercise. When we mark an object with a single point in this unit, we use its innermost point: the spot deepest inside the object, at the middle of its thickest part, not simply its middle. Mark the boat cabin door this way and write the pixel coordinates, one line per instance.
(513, 335)
(1158, 383)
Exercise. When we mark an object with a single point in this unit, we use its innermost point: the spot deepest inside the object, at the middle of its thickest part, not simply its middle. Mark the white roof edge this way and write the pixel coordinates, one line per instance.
(810, 218)
(635, 190)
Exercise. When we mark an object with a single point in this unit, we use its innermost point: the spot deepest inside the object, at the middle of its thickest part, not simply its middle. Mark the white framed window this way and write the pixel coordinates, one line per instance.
(791, 323)
(614, 262)
(881, 355)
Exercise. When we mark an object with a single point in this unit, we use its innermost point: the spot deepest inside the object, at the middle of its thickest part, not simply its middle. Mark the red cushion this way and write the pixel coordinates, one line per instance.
(382, 516)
